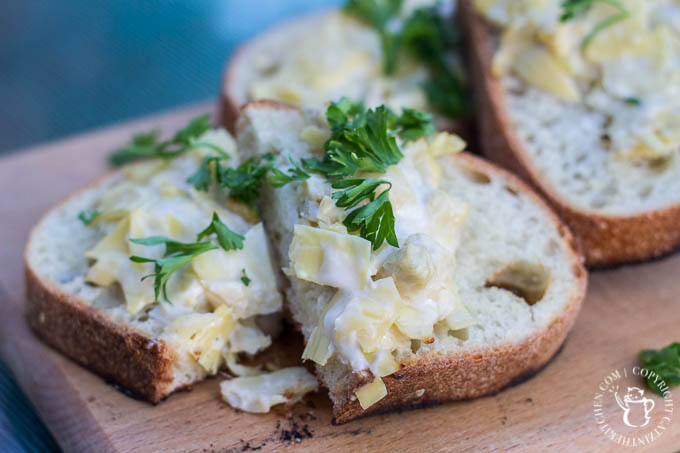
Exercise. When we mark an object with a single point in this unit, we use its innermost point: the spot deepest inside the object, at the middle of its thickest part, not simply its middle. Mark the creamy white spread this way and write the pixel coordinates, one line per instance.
(385, 298)
(212, 311)
(629, 71)
(335, 56)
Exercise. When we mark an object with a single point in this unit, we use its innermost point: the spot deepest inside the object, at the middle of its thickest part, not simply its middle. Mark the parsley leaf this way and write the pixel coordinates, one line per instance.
(356, 190)
(177, 254)
(277, 178)
(427, 36)
(665, 363)
(227, 239)
(360, 141)
(146, 145)
(374, 221)
(378, 14)
(245, 181)
(204, 176)
(87, 216)
(412, 124)
(244, 277)
(574, 8)
(632, 100)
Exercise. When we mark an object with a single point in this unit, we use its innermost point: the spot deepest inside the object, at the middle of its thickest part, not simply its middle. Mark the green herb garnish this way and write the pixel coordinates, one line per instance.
(378, 14)
(87, 216)
(374, 220)
(665, 363)
(177, 254)
(632, 100)
(277, 178)
(575, 8)
(363, 141)
(146, 145)
(428, 37)
(243, 183)
(244, 277)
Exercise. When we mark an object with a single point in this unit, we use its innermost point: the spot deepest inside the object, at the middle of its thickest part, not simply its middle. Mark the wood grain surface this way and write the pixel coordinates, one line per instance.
(626, 309)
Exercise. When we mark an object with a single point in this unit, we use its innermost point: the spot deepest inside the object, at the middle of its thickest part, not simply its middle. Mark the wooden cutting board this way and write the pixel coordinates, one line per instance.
(626, 309)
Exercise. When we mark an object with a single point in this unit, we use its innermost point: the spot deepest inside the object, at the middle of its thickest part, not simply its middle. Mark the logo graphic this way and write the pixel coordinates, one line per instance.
(626, 413)
(635, 402)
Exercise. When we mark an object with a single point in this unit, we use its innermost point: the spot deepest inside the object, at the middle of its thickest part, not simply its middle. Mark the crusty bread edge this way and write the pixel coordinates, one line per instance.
(607, 240)
(140, 365)
(475, 373)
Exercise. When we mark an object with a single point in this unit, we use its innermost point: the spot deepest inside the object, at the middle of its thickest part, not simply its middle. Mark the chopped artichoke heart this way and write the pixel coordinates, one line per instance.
(427, 166)
(114, 242)
(371, 393)
(537, 67)
(383, 363)
(259, 393)
(205, 335)
(448, 216)
(368, 316)
(414, 322)
(319, 346)
(329, 258)
(444, 143)
(247, 337)
(314, 135)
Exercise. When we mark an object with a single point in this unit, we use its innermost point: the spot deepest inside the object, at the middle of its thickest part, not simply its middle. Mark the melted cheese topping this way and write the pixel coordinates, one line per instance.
(306, 72)
(212, 311)
(389, 297)
(630, 71)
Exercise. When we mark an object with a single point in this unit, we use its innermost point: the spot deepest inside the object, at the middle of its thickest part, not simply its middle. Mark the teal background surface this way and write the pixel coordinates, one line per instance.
(68, 66)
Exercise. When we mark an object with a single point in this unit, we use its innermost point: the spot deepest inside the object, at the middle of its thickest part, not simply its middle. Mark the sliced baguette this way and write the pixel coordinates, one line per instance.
(253, 60)
(607, 239)
(507, 222)
(139, 352)
(61, 314)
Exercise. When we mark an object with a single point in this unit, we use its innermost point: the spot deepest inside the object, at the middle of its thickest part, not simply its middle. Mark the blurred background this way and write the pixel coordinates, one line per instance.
(69, 66)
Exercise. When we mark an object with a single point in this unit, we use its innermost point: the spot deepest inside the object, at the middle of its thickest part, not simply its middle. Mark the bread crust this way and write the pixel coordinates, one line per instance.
(478, 372)
(607, 240)
(140, 365)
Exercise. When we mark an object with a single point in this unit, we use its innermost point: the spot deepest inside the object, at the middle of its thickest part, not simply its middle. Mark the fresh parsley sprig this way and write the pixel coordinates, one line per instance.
(428, 37)
(146, 145)
(364, 141)
(379, 14)
(87, 216)
(665, 363)
(574, 8)
(243, 182)
(374, 220)
(278, 178)
(177, 254)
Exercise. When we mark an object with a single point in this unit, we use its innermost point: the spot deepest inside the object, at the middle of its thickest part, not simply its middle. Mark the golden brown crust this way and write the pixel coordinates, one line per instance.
(607, 240)
(123, 356)
(471, 374)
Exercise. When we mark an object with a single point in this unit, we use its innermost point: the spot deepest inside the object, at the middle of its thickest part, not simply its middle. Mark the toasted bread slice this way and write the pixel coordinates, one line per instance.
(513, 336)
(610, 233)
(149, 350)
(321, 57)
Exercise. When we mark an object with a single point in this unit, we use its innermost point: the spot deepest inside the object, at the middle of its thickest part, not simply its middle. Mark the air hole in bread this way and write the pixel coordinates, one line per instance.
(478, 176)
(524, 279)
(511, 191)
